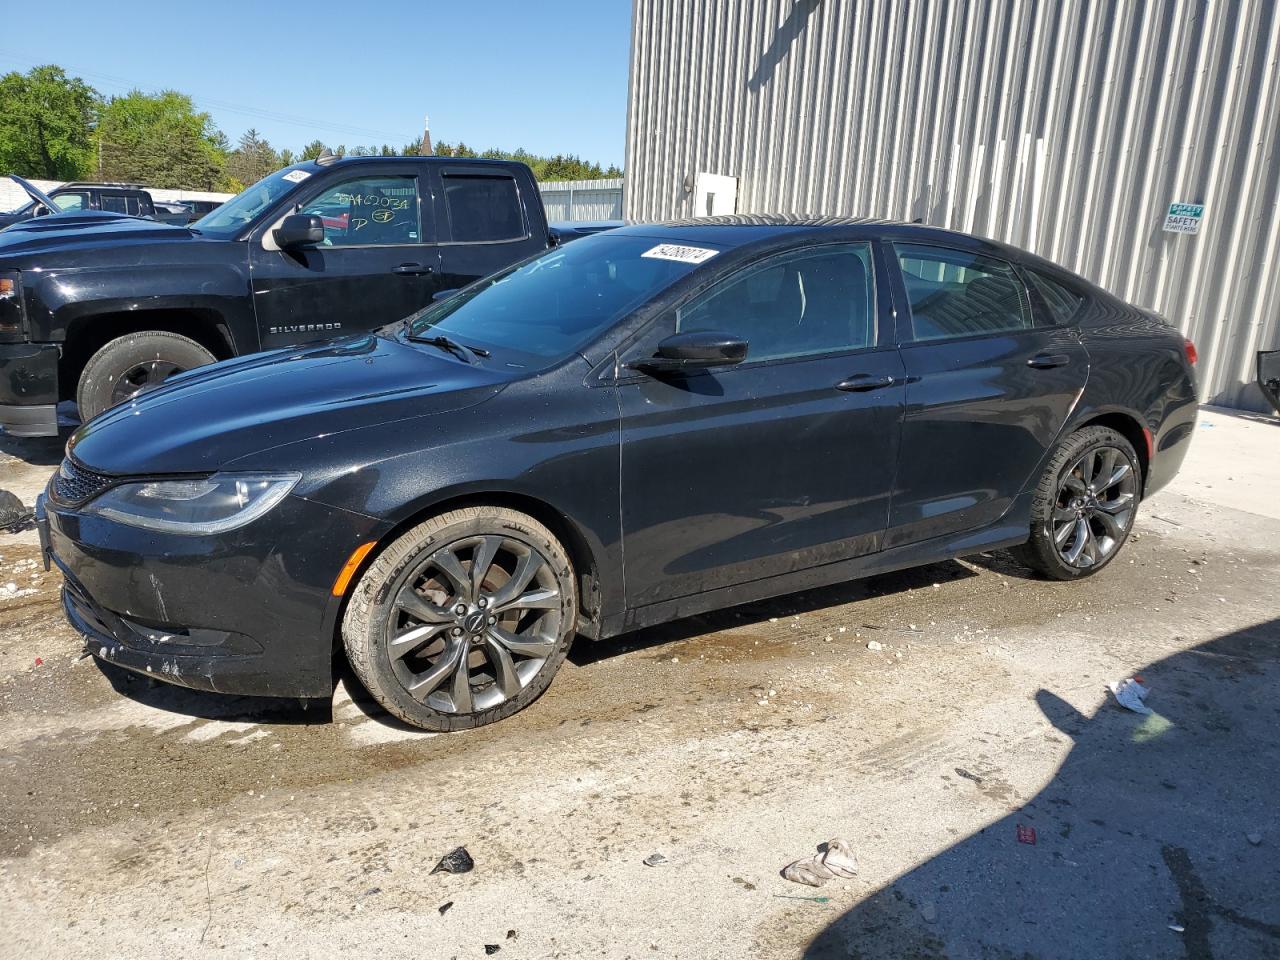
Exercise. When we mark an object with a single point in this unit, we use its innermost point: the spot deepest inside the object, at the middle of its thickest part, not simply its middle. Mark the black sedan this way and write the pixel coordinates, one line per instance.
(642, 425)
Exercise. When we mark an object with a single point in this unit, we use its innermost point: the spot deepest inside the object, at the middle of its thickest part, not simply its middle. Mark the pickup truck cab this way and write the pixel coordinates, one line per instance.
(126, 199)
(96, 312)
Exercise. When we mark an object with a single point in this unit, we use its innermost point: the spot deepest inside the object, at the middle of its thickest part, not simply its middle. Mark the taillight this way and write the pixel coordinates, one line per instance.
(1190, 349)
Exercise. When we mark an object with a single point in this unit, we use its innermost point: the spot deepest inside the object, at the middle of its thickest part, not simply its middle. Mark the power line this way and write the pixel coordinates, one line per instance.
(228, 106)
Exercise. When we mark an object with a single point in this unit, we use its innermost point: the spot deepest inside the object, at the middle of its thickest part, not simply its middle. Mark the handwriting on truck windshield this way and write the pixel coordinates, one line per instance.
(372, 200)
(380, 209)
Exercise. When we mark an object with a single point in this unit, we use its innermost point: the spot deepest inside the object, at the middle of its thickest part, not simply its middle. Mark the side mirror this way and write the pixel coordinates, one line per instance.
(42, 211)
(696, 350)
(299, 230)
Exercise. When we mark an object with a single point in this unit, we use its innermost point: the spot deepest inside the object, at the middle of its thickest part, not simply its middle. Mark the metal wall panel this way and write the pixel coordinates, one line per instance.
(582, 199)
(1066, 128)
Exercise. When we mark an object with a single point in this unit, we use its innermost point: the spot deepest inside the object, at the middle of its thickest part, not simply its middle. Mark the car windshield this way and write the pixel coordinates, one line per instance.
(230, 218)
(544, 309)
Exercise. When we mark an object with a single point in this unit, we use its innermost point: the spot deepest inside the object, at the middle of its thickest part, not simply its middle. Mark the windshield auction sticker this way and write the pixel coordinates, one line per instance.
(673, 251)
(296, 176)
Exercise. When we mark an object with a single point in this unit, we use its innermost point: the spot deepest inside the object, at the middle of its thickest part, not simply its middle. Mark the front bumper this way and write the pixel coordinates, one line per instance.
(29, 389)
(248, 612)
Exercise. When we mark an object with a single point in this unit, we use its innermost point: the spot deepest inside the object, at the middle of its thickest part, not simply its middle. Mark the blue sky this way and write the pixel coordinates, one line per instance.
(550, 77)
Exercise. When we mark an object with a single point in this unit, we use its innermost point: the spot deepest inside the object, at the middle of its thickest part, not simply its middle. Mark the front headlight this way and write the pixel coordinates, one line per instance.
(10, 305)
(216, 504)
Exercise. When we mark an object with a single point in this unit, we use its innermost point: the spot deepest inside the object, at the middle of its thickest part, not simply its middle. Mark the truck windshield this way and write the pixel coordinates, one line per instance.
(544, 309)
(232, 217)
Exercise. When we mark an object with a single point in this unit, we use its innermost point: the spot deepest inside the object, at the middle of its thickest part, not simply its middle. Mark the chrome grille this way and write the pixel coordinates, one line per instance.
(76, 484)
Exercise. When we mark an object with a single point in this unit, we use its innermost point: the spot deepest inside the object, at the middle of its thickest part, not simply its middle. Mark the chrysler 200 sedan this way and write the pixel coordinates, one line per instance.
(643, 425)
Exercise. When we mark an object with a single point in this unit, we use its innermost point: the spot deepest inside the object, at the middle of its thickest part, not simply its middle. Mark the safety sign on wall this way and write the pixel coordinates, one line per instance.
(1184, 218)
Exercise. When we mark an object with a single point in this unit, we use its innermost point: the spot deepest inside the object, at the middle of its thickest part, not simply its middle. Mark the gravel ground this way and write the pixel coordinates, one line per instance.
(924, 716)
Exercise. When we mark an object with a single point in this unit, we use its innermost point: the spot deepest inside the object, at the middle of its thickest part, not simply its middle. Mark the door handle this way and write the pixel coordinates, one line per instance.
(1047, 361)
(412, 269)
(864, 382)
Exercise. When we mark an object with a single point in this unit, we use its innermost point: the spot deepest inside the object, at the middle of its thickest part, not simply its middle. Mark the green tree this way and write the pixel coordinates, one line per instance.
(312, 150)
(253, 158)
(558, 167)
(46, 124)
(162, 141)
(460, 149)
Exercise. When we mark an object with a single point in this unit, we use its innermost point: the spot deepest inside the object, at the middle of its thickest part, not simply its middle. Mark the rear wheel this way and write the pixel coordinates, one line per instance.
(463, 620)
(1084, 506)
(127, 364)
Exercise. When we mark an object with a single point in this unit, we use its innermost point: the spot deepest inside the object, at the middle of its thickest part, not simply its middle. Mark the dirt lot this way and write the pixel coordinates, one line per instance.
(142, 820)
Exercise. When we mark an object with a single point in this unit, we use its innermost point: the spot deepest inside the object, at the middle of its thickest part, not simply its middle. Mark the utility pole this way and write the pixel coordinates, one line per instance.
(425, 149)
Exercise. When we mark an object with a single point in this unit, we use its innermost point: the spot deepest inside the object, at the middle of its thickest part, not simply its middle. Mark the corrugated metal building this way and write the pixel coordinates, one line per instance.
(1067, 128)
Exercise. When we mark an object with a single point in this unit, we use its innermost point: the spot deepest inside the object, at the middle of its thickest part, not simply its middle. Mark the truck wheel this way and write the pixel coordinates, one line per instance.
(127, 364)
(463, 620)
(1084, 506)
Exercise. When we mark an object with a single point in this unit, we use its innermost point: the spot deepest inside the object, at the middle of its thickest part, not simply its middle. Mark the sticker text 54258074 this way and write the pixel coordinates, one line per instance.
(683, 254)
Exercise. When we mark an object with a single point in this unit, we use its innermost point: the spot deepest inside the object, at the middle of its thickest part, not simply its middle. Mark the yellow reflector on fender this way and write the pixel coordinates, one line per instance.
(349, 570)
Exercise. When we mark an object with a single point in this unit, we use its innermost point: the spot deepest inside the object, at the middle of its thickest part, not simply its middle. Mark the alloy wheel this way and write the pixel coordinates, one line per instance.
(142, 375)
(1094, 507)
(473, 623)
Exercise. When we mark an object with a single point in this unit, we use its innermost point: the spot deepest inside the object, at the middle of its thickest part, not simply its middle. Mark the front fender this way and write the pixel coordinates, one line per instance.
(61, 300)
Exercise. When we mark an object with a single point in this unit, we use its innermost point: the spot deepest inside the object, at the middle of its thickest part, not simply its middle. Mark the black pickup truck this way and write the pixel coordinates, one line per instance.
(97, 311)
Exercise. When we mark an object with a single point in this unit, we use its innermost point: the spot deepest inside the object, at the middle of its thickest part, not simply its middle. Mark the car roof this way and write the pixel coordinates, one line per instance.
(345, 161)
(101, 186)
(742, 229)
(770, 231)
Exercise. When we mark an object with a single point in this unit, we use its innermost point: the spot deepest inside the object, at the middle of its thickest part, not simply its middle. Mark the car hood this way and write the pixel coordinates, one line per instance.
(203, 420)
(90, 227)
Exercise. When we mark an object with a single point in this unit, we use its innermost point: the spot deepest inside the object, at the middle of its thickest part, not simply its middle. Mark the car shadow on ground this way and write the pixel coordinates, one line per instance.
(585, 652)
(36, 451)
(204, 705)
(1156, 837)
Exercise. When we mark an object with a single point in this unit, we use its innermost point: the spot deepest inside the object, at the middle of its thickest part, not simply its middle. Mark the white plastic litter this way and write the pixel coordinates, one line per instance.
(1131, 694)
(836, 861)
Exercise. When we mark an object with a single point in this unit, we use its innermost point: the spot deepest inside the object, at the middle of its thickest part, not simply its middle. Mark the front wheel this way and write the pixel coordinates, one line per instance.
(464, 619)
(124, 366)
(1084, 506)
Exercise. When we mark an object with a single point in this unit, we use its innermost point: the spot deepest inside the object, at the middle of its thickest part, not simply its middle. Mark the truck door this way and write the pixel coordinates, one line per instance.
(487, 221)
(378, 262)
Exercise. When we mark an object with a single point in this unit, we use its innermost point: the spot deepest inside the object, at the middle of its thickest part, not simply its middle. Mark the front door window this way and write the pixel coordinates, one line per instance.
(369, 211)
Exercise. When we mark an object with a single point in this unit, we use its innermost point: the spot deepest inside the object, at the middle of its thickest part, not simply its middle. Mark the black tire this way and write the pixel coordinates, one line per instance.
(409, 577)
(1106, 513)
(137, 360)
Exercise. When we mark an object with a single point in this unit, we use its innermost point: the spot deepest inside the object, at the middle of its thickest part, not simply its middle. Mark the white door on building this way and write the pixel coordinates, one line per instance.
(714, 195)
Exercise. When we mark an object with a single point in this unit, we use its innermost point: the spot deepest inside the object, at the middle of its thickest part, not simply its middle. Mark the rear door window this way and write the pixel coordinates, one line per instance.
(955, 293)
(112, 202)
(483, 209)
(1060, 303)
